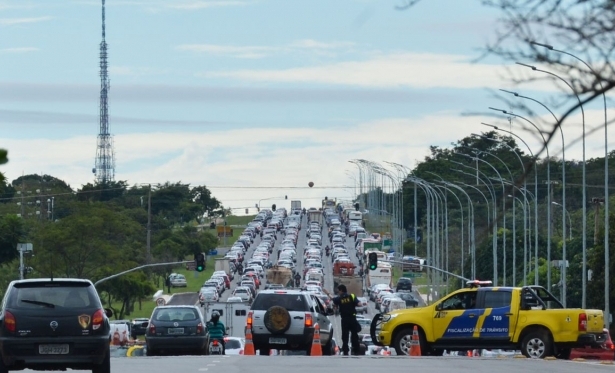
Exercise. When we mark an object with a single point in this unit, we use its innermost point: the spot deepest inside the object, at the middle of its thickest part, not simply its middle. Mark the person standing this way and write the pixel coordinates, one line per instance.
(347, 304)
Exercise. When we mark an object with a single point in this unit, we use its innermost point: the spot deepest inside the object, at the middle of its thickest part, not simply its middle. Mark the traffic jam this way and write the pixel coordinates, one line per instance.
(270, 295)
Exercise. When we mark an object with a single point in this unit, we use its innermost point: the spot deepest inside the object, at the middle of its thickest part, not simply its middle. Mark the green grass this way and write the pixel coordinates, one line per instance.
(239, 220)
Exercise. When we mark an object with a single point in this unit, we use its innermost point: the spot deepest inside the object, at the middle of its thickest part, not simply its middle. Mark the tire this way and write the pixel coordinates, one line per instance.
(402, 341)
(277, 319)
(264, 351)
(3, 367)
(327, 350)
(563, 353)
(537, 345)
(150, 352)
(105, 365)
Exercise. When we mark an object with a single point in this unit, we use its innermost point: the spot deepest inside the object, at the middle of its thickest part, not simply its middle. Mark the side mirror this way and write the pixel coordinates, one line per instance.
(330, 312)
(439, 307)
(108, 312)
(145, 324)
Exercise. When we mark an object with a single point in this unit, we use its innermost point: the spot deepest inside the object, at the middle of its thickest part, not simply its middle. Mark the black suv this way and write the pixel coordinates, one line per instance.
(404, 283)
(54, 324)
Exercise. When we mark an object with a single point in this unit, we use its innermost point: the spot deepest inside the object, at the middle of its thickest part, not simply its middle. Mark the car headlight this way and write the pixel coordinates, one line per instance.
(388, 317)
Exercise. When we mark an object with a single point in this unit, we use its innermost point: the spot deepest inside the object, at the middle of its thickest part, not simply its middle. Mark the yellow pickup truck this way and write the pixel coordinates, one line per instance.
(526, 318)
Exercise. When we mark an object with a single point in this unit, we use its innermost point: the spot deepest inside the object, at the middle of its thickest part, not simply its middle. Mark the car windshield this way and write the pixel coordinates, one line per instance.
(52, 295)
(175, 314)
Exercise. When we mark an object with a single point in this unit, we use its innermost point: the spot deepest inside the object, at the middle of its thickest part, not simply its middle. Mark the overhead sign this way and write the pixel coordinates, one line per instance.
(224, 231)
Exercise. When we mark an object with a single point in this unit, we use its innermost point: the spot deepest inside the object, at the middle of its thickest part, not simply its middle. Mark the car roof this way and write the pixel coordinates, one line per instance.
(47, 280)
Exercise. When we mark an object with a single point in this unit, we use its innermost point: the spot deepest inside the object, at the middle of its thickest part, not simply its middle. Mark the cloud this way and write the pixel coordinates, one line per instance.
(193, 5)
(19, 50)
(233, 51)
(251, 51)
(28, 92)
(314, 44)
(18, 21)
(46, 118)
(420, 70)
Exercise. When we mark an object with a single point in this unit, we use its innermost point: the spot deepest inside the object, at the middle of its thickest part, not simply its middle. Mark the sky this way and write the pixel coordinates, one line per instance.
(253, 98)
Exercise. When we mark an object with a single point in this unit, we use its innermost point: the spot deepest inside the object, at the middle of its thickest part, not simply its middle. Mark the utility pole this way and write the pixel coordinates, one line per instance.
(149, 224)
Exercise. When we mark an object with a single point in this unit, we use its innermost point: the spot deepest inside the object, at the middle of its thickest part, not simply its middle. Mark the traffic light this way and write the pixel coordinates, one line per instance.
(373, 261)
(200, 262)
(273, 207)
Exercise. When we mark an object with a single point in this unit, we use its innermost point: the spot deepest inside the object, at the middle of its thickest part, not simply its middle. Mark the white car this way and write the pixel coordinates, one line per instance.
(234, 345)
(243, 293)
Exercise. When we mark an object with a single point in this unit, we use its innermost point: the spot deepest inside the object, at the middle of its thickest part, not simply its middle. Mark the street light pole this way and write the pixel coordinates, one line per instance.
(607, 294)
(564, 221)
(584, 205)
(545, 142)
(535, 192)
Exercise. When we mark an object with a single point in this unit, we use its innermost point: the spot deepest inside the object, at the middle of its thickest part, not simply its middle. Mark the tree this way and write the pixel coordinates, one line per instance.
(12, 232)
(202, 196)
(3, 159)
(93, 242)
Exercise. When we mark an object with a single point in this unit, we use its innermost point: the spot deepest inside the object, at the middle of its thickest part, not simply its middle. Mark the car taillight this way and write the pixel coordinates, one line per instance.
(249, 320)
(97, 319)
(308, 320)
(199, 328)
(241, 352)
(9, 322)
(582, 322)
(215, 342)
(152, 328)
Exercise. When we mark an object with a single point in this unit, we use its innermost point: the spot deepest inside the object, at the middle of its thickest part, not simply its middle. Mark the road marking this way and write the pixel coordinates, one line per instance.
(202, 369)
(211, 365)
(216, 361)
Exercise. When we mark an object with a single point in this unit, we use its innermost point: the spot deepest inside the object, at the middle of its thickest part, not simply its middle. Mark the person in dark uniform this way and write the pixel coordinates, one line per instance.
(347, 304)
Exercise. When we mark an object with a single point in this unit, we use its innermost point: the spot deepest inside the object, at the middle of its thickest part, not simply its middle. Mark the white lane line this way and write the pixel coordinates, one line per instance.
(202, 369)
(211, 365)
(215, 361)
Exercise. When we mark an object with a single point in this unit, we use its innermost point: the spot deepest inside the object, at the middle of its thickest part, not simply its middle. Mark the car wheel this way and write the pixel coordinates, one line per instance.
(150, 352)
(277, 319)
(3, 367)
(403, 341)
(105, 365)
(264, 351)
(327, 350)
(536, 345)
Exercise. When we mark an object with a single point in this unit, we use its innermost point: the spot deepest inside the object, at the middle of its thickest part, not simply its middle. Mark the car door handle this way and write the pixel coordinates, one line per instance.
(298, 317)
(472, 314)
(508, 314)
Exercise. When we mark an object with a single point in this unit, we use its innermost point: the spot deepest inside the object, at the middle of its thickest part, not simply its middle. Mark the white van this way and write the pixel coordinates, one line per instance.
(355, 216)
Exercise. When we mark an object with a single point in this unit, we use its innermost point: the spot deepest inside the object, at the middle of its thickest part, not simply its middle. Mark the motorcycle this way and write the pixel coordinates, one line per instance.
(297, 282)
(216, 347)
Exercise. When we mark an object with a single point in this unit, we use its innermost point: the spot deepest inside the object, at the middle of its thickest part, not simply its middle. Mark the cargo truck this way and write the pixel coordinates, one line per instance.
(223, 264)
(295, 205)
(317, 217)
(344, 274)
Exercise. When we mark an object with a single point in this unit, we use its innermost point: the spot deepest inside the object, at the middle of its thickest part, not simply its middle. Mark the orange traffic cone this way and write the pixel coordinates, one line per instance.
(249, 348)
(415, 344)
(316, 347)
(470, 353)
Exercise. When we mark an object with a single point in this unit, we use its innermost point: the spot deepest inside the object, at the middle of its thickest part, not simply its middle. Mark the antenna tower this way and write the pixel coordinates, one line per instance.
(104, 169)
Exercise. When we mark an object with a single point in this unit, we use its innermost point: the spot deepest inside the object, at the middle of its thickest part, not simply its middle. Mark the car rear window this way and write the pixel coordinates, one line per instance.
(175, 314)
(292, 302)
(53, 294)
(233, 344)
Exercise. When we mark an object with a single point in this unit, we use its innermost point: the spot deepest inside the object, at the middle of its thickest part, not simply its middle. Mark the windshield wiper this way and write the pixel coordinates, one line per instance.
(39, 303)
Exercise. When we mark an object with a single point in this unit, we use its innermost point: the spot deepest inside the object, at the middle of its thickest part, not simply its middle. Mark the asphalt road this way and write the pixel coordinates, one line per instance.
(355, 364)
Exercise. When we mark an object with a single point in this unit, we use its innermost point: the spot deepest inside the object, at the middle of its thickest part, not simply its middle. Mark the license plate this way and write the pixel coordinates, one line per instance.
(53, 349)
(176, 331)
(214, 349)
(277, 341)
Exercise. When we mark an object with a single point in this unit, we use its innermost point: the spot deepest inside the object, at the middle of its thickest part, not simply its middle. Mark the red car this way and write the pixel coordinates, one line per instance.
(605, 352)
